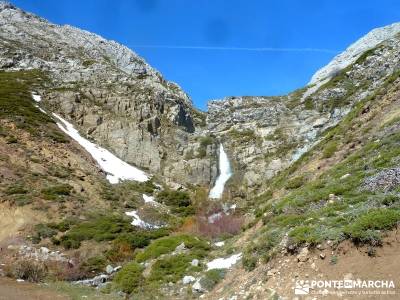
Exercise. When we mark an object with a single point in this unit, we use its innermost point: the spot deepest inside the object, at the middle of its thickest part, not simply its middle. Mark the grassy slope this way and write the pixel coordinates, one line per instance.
(43, 170)
(314, 200)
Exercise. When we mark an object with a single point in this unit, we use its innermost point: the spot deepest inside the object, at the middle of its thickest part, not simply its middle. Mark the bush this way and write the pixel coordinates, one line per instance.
(94, 264)
(99, 228)
(121, 250)
(168, 244)
(108, 228)
(129, 278)
(295, 182)
(305, 234)
(364, 228)
(16, 102)
(211, 278)
(249, 262)
(171, 269)
(57, 191)
(44, 231)
(330, 149)
(174, 198)
(29, 270)
(309, 104)
(16, 189)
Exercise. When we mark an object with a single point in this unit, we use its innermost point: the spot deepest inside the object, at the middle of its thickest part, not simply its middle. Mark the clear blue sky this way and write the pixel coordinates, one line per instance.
(215, 73)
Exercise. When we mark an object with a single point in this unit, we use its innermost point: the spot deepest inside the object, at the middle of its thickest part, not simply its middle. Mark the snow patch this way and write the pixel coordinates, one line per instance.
(219, 244)
(224, 263)
(41, 109)
(117, 169)
(149, 199)
(36, 97)
(137, 221)
(225, 174)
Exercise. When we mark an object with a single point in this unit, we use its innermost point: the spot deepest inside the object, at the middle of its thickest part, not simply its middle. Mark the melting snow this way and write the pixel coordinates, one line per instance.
(225, 174)
(36, 97)
(116, 168)
(219, 244)
(41, 109)
(137, 221)
(148, 199)
(224, 263)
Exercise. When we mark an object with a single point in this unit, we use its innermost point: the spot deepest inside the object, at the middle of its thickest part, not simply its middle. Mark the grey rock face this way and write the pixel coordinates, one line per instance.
(115, 98)
(354, 51)
(109, 92)
(264, 135)
(386, 180)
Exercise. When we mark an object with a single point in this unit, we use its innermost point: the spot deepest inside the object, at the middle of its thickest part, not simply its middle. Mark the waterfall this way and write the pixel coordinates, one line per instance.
(224, 174)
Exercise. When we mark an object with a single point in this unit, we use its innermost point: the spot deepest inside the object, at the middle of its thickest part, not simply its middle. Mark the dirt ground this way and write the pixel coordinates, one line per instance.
(10, 289)
(346, 262)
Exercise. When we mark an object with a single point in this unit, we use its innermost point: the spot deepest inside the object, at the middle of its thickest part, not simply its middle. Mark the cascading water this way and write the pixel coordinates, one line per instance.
(224, 174)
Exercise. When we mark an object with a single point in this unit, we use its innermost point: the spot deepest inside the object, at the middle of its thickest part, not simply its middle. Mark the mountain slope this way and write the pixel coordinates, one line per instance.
(343, 192)
(109, 92)
(265, 135)
(315, 172)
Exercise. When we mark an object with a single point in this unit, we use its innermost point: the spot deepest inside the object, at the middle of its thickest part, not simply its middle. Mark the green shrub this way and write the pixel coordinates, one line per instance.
(170, 269)
(108, 228)
(206, 141)
(243, 136)
(94, 264)
(249, 262)
(174, 198)
(330, 149)
(56, 192)
(295, 182)
(16, 102)
(309, 104)
(87, 63)
(21, 200)
(168, 244)
(58, 137)
(211, 278)
(364, 228)
(44, 231)
(129, 278)
(16, 189)
(99, 228)
(305, 234)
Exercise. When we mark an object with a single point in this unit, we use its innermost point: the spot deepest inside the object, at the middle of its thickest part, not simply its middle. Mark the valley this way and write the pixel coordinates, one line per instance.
(113, 185)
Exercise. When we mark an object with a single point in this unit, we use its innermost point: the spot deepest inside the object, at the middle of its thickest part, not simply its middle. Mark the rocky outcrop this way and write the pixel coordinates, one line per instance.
(264, 135)
(354, 51)
(114, 97)
(110, 93)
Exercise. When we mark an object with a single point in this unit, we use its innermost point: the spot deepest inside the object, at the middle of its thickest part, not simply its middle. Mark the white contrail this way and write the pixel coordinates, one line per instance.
(260, 49)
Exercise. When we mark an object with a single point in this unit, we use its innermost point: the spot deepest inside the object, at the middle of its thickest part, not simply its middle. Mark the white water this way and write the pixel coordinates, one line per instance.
(137, 221)
(224, 263)
(224, 174)
(117, 170)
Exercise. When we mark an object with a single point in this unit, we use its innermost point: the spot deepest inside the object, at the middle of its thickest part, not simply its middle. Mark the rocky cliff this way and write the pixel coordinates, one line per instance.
(117, 99)
(315, 172)
(110, 93)
(264, 135)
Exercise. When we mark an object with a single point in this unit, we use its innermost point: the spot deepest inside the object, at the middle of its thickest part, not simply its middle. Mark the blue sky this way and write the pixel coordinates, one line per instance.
(211, 71)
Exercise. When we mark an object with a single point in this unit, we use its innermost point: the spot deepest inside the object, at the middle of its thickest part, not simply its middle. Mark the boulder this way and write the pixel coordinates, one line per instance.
(303, 255)
(188, 279)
